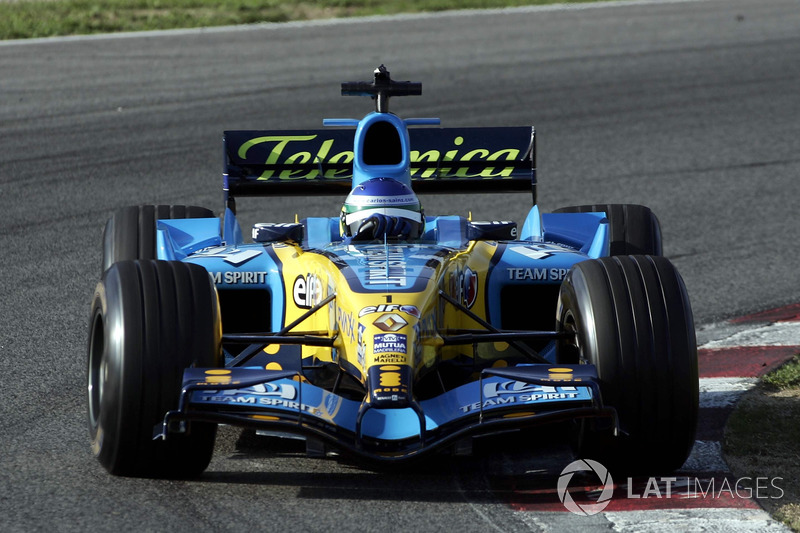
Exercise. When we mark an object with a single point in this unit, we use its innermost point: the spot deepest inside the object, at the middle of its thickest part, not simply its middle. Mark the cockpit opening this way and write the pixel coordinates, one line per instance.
(382, 145)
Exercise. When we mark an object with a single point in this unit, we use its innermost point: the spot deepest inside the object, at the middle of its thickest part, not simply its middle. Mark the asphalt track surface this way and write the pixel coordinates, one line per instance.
(691, 108)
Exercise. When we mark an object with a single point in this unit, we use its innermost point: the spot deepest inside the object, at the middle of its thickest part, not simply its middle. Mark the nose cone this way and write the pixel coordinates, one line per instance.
(389, 339)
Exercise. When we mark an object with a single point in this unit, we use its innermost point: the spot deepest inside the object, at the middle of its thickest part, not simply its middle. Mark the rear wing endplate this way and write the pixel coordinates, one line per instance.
(443, 160)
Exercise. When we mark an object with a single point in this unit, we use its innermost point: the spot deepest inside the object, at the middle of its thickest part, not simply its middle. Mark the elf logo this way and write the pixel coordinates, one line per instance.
(307, 291)
(390, 308)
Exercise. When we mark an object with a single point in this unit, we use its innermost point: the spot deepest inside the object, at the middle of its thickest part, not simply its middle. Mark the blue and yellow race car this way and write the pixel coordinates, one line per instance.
(386, 333)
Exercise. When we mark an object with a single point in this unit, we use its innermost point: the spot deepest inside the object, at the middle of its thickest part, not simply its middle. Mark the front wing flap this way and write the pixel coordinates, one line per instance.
(281, 400)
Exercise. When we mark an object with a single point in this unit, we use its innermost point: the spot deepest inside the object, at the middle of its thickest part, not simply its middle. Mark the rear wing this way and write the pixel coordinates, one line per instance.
(443, 160)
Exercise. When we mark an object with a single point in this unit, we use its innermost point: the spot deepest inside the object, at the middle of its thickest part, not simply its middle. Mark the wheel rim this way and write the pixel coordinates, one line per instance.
(97, 369)
(571, 350)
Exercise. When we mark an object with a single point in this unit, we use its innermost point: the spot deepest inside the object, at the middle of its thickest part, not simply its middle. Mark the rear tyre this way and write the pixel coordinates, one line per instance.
(150, 320)
(631, 318)
(634, 229)
(130, 233)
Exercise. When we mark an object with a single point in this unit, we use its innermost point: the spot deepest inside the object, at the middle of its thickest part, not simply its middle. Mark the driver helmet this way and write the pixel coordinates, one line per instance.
(382, 196)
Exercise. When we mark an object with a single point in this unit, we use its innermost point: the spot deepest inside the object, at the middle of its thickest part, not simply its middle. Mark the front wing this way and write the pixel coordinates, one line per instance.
(282, 401)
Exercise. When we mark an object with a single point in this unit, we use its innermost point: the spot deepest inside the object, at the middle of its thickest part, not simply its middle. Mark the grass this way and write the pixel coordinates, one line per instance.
(785, 377)
(762, 439)
(22, 19)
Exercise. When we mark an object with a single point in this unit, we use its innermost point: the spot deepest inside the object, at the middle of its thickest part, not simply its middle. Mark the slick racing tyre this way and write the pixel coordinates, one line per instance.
(150, 320)
(630, 317)
(634, 229)
(130, 233)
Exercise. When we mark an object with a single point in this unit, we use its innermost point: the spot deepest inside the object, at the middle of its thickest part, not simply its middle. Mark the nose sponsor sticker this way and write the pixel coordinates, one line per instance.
(390, 322)
(389, 343)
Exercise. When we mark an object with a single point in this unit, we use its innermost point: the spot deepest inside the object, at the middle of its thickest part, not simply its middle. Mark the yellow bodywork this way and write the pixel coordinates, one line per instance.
(361, 320)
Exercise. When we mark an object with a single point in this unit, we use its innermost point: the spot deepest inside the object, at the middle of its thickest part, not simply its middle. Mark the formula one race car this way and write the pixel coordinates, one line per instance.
(385, 333)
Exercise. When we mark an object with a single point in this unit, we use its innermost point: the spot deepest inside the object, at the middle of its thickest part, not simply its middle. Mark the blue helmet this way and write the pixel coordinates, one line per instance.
(382, 206)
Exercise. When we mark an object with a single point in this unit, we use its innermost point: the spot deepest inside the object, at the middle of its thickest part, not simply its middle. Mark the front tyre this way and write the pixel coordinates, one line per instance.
(130, 233)
(150, 320)
(630, 317)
